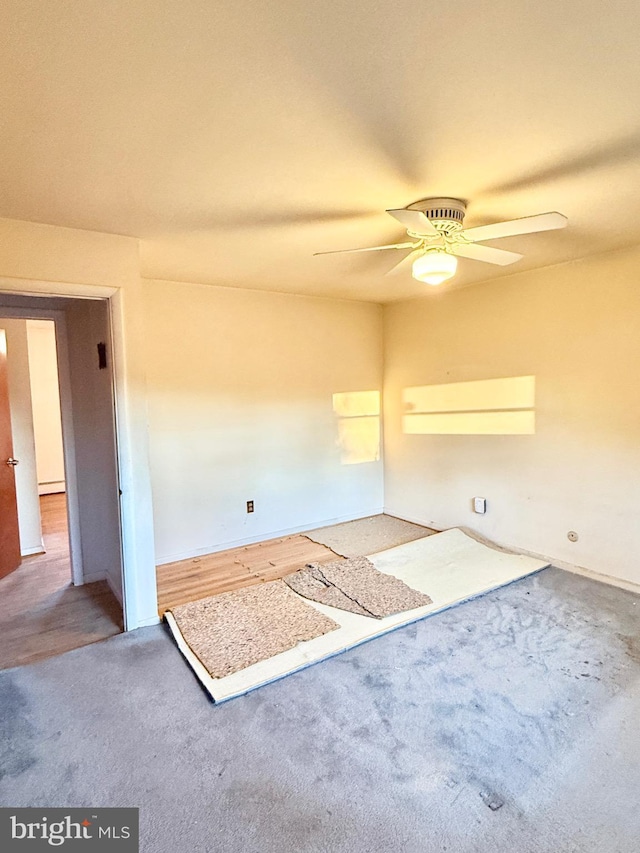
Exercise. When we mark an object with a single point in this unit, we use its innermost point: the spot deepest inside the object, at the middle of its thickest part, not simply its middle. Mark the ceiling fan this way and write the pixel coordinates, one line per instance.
(438, 238)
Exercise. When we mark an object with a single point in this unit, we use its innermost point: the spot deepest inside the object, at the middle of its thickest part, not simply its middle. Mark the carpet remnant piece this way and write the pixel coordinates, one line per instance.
(368, 535)
(234, 630)
(311, 583)
(357, 586)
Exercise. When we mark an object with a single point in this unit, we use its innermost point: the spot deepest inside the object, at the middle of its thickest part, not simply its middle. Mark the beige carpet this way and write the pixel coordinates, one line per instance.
(357, 586)
(368, 535)
(234, 630)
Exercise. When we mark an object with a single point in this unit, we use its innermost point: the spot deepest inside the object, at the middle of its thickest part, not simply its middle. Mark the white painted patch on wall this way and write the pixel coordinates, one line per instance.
(358, 424)
(483, 407)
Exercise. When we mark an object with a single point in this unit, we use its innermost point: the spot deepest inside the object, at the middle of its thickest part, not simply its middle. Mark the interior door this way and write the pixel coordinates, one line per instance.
(9, 535)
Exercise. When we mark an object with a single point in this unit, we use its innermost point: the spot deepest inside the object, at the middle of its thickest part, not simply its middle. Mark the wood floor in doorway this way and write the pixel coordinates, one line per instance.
(41, 613)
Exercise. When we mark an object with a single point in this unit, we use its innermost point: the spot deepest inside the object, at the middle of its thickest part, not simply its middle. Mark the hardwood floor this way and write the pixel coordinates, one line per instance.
(199, 577)
(41, 613)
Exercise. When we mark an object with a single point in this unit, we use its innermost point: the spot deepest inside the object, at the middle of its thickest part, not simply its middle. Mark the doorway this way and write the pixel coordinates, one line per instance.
(62, 597)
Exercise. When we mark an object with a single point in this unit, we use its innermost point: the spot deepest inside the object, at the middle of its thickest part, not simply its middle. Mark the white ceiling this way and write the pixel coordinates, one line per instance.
(237, 138)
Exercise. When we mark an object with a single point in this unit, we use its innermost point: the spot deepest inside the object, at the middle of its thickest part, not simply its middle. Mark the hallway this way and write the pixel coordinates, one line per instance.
(42, 614)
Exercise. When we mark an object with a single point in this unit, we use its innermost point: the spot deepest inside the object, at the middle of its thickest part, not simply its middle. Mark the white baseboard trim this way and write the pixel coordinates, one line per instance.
(92, 578)
(28, 552)
(53, 488)
(412, 520)
(262, 537)
(117, 592)
(146, 623)
(611, 580)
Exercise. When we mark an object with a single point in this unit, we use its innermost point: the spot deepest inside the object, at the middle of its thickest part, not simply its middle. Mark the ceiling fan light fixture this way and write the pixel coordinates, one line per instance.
(434, 267)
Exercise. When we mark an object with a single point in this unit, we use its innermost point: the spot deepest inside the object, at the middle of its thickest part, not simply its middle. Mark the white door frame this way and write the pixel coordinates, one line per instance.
(69, 448)
(136, 521)
(66, 414)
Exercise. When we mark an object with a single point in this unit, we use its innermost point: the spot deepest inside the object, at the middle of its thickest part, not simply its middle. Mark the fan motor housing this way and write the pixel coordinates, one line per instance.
(446, 214)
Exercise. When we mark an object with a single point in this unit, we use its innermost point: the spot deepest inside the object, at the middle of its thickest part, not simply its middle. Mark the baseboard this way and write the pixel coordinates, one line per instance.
(29, 552)
(146, 623)
(412, 520)
(117, 592)
(263, 537)
(51, 488)
(611, 580)
(92, 578)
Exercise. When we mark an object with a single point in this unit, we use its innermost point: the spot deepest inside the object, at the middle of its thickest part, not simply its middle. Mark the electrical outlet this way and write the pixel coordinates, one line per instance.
(480, 505)
(249, 506)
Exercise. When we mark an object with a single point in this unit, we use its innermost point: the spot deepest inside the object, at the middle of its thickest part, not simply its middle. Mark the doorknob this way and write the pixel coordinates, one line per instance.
(12, 461)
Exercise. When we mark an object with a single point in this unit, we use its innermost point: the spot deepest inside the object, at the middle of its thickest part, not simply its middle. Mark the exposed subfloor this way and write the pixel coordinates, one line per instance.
(509, 723)
(41, 612)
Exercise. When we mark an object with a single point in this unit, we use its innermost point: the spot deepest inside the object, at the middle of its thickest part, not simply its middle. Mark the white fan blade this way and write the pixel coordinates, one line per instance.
(368, 249)
(526, 225)
(484, 253)
(413, 220)
(405, 264)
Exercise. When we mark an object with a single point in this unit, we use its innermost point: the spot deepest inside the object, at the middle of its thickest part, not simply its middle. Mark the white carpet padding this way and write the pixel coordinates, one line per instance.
(450, 567)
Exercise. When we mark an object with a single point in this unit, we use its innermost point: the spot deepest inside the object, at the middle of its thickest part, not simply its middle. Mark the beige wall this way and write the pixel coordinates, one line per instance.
(241, 389)
(46, 253)
(576, 328)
